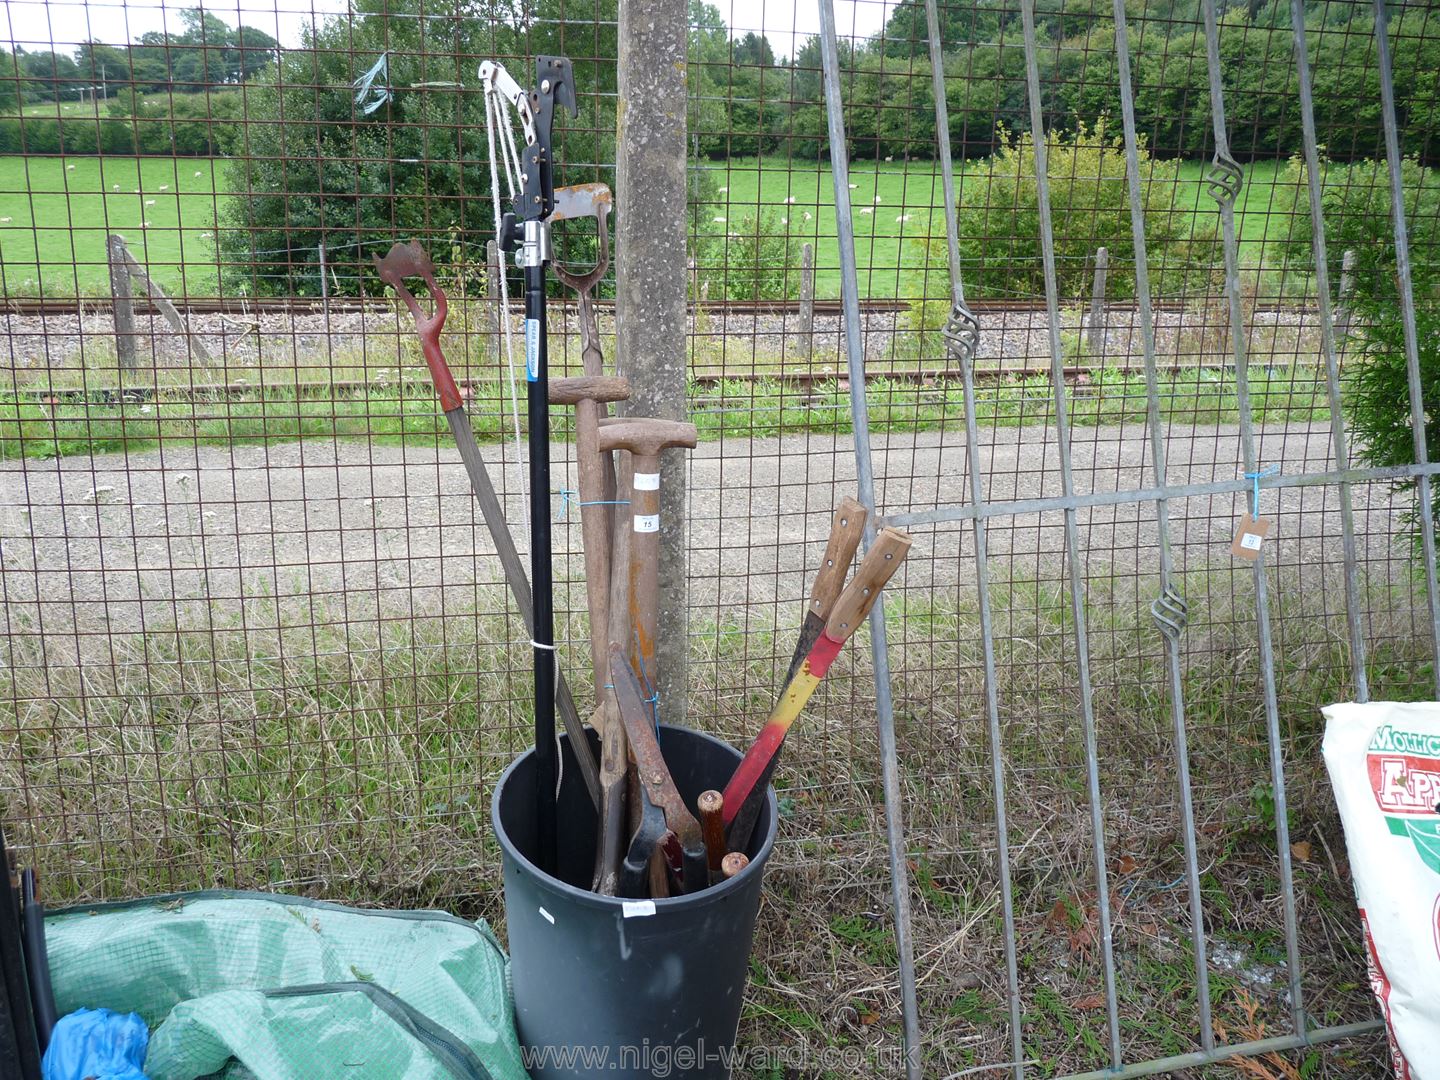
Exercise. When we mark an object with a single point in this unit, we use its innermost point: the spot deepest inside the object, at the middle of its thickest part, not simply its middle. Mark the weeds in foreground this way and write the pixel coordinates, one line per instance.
(282, 743)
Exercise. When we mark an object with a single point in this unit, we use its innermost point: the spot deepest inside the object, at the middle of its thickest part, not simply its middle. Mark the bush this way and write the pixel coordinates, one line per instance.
(1356, 204)
(999, 220)
(746, 258)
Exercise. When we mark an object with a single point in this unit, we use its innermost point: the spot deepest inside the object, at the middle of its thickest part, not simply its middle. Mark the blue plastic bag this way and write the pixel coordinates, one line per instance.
(97, 1043)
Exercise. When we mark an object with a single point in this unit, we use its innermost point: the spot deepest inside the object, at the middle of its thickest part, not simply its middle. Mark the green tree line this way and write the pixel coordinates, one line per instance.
(745, 100)
(207, 54)
(750, 102)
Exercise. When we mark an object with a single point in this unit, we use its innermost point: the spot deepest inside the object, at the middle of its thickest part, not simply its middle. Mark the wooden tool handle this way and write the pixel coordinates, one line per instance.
(711, 805)
(733, 863)
(881, 561)
(573, 389)
(846, 532)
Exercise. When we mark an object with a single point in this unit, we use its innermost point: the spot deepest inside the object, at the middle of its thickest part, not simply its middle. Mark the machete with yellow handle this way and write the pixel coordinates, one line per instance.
(879, 566)
(846, 531)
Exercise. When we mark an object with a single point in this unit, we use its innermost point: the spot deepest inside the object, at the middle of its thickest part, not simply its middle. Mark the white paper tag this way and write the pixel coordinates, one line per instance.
(547, 916)
(637, 909)
(532, 349)
(647, 523)
(1249, 537)
(647, 481)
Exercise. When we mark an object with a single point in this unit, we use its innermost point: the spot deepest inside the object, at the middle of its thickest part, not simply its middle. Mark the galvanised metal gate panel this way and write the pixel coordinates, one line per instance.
(1168, 608)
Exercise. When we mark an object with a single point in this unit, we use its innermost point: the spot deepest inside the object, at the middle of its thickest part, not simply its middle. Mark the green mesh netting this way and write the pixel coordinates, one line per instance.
(282, 988)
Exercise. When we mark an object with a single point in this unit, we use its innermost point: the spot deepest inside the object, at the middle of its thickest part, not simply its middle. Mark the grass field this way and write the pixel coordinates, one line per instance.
(74, 108)
(61, 208)
(884, 248)
(55, 214)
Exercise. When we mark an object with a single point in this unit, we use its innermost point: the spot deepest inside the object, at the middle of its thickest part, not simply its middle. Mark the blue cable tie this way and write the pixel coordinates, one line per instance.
(1254, 477)
(569, 496)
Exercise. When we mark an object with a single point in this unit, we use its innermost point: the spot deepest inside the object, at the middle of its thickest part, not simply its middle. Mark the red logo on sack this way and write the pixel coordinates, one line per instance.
(1405, 784)
(1404, 770)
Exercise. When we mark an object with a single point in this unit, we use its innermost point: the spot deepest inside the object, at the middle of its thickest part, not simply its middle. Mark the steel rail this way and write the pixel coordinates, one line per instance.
(1226, 1053)
(1042, 505)
(918, 376)
(19, 306)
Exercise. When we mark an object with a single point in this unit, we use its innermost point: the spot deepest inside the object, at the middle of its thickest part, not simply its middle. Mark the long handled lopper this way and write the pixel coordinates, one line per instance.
(879, 566)
(846, 531)
(595, 470)
(525, 230)
(409, 260)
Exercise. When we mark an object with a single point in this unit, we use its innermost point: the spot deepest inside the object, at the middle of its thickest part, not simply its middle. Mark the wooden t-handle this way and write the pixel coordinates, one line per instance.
(879, 566)
(845, 534)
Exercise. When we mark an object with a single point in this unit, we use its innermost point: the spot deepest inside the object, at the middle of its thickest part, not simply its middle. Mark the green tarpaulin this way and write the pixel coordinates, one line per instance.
(282, 988)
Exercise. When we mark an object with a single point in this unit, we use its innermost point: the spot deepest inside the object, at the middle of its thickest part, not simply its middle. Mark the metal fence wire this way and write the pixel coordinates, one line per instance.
(1062, 287)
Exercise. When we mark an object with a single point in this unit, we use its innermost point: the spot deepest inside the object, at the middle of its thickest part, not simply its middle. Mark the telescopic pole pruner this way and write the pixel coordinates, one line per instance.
(525, 230)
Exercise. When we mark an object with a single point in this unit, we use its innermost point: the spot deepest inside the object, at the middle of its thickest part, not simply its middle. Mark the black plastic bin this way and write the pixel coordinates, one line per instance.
(624, 988)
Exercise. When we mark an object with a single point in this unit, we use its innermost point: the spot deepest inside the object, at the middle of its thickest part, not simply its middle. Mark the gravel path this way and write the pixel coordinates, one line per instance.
(163, 536)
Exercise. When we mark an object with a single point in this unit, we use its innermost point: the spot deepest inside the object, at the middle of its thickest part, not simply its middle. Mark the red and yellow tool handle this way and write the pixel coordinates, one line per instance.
(879, 566)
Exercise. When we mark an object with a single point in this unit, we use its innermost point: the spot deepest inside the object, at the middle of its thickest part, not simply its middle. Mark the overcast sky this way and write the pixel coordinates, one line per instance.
(32, 24)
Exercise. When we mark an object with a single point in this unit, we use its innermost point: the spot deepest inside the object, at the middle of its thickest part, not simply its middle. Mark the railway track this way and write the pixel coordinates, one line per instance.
(806, 381)
(26, 306)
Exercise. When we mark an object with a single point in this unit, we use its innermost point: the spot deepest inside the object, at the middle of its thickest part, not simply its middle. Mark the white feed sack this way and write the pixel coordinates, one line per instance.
(1384, 763)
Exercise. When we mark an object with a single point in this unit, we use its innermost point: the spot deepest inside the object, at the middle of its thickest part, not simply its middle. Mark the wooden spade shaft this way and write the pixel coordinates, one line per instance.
(615, 789)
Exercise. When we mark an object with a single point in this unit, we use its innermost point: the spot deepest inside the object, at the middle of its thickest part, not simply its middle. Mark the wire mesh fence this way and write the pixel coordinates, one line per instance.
(253, 632)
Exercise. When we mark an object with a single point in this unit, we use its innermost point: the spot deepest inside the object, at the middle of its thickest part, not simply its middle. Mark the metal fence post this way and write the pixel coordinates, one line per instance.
(1426, 508)
(1169, 610)
(650, 279)
(1223, 182)
(1095, 340)
(879, 650)
(1353, 614)
(122, 307)
(962, 342)
(807, 302)
(1074, 559)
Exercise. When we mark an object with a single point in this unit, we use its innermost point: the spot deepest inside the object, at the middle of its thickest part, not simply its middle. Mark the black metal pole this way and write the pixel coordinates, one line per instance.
(541, 570)
(526, 232)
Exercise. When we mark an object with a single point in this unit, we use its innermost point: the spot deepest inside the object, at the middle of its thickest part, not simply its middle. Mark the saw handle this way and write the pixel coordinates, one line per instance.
(878, 567)
(450, 398)
(405, 260)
